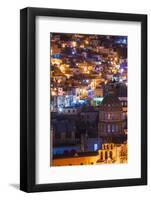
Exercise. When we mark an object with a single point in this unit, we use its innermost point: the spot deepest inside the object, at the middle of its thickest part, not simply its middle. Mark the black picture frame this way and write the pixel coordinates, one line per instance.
(28, 98)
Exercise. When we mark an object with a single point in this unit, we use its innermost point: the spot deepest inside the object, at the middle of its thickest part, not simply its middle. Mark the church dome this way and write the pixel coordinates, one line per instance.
(111, 99)
(111, 102)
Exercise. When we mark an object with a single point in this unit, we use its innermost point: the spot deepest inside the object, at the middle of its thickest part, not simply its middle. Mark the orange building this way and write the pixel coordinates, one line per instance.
(110, 153)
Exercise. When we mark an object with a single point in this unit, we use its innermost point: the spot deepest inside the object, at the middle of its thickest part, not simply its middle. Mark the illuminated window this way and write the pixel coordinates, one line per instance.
(109, 116)
(95, 147)
(108, 128)
(113, 128)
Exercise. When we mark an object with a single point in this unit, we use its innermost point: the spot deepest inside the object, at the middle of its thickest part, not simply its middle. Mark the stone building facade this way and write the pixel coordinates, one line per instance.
(110, 125)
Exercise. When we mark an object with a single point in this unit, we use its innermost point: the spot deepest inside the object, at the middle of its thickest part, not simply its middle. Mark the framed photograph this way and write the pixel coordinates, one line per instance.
(83, 99)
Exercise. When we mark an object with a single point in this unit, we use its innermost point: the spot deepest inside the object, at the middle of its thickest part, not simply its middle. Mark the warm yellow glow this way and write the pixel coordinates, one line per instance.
(68, 75)
(114, 70)
(116, 59)
(110, 153)
(90, 67)
(82, 46)
(117, 66)
(62, 68)
(56, 61)
(86, 42)
(63, 45)
(53, 93)
(106, 82)
(85, 69)
(74, 44)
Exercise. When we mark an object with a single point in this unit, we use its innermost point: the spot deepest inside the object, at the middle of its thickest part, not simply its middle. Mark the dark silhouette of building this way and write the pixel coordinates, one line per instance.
(110, 126)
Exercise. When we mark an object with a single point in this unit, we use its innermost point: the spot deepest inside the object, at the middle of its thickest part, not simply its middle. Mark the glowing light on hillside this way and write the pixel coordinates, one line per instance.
(74, 44)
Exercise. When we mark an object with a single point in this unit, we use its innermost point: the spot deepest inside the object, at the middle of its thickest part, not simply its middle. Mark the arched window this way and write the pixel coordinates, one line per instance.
(101, 156)
(106, 156)
(104, 128)
(113, 115)
(109, 116)
(113, 128)
(111, 154)
(108, 128)
(102, 115)
(117, 128)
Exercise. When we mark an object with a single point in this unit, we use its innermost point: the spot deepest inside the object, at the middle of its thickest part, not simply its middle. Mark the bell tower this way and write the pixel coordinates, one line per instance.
(110, 126)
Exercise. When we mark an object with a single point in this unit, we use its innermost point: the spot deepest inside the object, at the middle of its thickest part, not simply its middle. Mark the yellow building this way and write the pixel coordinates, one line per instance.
(109, 153)
(98, 92)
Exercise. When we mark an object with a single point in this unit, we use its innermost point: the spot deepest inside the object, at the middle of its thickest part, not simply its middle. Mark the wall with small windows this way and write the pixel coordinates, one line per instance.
(70, 111)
